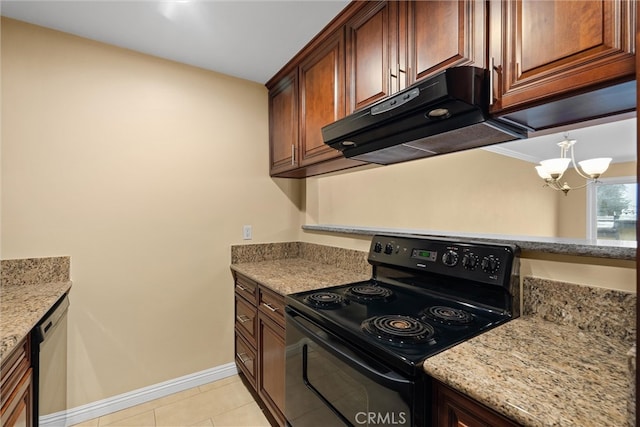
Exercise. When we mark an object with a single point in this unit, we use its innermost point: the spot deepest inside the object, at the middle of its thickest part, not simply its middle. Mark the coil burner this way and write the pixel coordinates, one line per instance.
(325, 300)
(448, 315)
(369, 293)
(398, 330)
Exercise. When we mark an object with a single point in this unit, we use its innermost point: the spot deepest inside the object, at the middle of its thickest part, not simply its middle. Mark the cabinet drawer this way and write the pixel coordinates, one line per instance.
(246, 322)
(246, 359)
(247, 288)
(17, 411)
(13, 369)
(451, 408)
(271, 304)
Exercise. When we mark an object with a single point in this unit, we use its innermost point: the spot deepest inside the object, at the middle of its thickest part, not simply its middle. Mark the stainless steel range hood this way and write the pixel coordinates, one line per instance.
(442, 114)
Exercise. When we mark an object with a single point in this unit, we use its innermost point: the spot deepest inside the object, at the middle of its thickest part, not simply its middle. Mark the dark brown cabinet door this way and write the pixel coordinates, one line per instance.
(546, 49)
(283, 124)
(444, 34)
(370, 46)
(16, 382)
(271, 362)
(321, 98)
(20, 416)
(391, 45)
(452, 409)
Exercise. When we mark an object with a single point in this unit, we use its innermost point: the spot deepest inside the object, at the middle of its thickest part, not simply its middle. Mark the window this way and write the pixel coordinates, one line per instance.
(611, 209)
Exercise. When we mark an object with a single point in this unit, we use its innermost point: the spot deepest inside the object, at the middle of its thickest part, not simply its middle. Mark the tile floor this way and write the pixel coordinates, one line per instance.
(225, 402)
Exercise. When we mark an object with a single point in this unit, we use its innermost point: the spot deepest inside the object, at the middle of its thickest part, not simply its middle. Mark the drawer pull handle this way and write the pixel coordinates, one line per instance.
(270, 307)
(244, 358)
(242, 288)
(242, 318)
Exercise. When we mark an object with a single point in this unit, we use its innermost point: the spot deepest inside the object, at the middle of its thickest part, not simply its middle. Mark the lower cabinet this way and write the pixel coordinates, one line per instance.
(17, 387)
(260, 342)
(453, 409)
(271, 364)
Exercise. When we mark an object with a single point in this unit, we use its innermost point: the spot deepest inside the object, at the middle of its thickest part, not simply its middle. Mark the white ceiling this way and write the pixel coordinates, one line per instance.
(615, 139)
(253, 40)
(247, 39)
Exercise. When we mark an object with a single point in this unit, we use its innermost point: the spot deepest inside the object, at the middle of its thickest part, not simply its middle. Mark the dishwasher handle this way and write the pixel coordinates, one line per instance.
(52, 318)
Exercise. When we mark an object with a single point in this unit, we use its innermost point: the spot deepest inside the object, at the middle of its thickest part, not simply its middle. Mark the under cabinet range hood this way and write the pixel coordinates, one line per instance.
(442, 114)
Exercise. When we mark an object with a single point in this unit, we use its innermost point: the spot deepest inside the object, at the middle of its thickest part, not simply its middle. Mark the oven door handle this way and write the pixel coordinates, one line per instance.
(333, 345)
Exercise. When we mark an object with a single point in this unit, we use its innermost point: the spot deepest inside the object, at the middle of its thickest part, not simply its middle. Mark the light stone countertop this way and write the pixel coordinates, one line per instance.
(28, 289)
(22, 307)
(539, 373)
(287, 276)
(292, 267)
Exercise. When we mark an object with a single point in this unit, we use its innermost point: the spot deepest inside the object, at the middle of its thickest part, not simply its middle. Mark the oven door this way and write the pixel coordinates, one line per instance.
(329, 383)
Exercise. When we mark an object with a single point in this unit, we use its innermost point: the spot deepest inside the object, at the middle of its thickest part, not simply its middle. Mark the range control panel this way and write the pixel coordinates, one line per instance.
(486, 263)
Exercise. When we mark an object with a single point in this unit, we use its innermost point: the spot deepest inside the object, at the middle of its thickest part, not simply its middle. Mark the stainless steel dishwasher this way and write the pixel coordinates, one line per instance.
(49, 355)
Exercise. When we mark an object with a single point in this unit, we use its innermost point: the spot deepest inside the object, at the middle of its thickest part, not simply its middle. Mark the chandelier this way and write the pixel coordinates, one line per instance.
(552, 170)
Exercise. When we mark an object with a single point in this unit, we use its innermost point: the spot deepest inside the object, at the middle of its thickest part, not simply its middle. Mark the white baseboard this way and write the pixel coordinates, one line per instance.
(126, 400)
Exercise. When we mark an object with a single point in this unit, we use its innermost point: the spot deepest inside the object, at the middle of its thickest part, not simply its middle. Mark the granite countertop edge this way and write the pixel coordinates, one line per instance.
(539, 373)
(22, 307)
(553, 245)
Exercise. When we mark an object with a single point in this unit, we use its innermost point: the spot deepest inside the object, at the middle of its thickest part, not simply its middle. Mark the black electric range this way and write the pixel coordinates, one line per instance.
(354, 352)
(426, 296)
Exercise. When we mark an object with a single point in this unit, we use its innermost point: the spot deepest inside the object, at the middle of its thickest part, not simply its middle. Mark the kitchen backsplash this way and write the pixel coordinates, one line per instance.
(606, 311)
(347, 259)
(264, 252)
(31, 271)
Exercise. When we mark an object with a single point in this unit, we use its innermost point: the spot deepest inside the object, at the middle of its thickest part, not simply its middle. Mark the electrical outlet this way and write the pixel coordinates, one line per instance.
(246, 232)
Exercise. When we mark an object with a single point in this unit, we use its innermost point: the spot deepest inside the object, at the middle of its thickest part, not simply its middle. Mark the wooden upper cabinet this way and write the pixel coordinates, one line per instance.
(322, 87)
(443, 34)
(283, 124)
(391, 45)
(369, 62)
(546, 49)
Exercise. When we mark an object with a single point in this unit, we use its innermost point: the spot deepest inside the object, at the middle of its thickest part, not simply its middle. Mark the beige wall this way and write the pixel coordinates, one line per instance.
(143, 171)
(472, 191)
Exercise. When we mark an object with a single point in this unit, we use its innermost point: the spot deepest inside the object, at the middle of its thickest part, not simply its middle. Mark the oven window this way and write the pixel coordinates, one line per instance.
(322, 389)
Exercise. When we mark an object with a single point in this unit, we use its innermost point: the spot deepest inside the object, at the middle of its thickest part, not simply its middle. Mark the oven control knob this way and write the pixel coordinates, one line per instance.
(490, 264)
(470, 261)
(450, 258)
(377, 248)
(388, 249)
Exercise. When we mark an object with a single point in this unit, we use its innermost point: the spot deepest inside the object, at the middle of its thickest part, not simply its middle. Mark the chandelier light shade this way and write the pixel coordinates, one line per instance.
(542, 172)
(595, 167)
(555, 168)
(552, 170)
